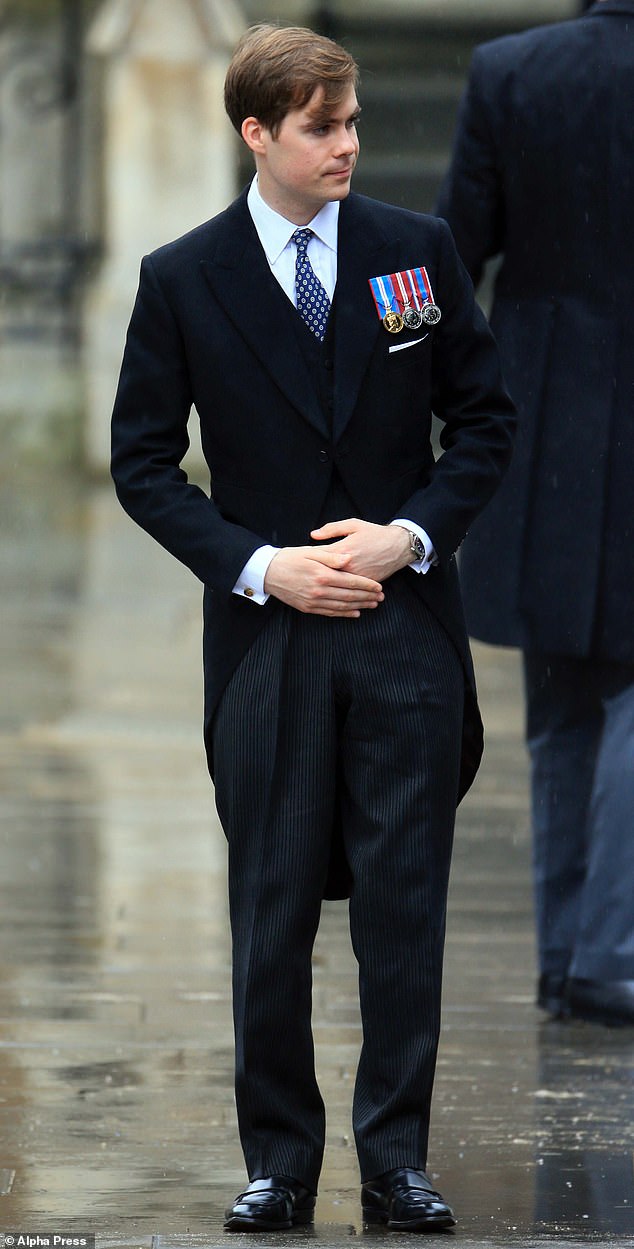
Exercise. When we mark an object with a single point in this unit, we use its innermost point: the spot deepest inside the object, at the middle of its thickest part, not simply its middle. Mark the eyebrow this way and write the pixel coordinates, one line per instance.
(317, 119)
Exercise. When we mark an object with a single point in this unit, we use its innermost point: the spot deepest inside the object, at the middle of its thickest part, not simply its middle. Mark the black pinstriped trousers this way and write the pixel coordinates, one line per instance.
(356, 723)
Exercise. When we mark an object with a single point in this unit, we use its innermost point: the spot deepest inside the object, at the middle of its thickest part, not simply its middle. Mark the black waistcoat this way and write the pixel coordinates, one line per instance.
(320, 358)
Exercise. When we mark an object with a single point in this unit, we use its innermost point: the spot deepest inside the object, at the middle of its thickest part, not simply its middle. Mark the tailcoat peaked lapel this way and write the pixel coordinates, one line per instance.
(363, 251)
(240, 278)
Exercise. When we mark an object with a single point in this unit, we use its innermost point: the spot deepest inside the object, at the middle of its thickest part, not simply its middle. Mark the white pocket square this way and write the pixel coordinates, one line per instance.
(403, 346)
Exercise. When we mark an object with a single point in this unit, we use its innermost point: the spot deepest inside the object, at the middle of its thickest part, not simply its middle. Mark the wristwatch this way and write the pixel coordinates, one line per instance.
(416, 546)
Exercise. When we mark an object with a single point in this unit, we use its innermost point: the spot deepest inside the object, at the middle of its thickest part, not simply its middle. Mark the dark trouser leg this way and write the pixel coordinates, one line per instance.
(401, 691)
(604, 947)
(366, 713)
(564, 719)
(275, 766)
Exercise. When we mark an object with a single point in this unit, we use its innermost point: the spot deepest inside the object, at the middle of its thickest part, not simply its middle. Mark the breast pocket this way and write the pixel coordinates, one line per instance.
(409, 354)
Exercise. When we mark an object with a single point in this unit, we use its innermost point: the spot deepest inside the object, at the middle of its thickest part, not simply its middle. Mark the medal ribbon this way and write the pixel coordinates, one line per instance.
(421, 284)
(384, 301)
(406, 301)
(414, 287)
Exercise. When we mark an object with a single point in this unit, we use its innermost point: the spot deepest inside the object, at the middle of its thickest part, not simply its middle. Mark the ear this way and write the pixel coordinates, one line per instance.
(253, 133)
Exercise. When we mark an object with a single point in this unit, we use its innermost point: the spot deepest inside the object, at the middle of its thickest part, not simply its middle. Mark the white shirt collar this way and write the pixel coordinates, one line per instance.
(275, 231)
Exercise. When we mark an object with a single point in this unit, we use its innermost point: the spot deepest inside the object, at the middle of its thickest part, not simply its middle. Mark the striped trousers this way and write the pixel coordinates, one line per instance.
(349, 724)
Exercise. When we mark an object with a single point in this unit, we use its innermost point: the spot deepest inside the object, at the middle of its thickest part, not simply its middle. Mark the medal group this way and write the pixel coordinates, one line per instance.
(405, 300)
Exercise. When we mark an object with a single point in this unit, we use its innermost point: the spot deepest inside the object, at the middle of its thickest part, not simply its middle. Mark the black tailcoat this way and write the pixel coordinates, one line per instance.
(543, 174)
(211, 327)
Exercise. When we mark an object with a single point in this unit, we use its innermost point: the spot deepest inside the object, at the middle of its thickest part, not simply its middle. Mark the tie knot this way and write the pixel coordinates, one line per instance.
(301, 239)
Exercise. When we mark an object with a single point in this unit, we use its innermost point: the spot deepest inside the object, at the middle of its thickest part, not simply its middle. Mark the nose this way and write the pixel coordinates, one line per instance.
(348, 143)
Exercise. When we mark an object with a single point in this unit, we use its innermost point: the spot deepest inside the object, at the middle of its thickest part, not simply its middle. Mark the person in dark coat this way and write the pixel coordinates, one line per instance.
(542, 176)
(315, 330)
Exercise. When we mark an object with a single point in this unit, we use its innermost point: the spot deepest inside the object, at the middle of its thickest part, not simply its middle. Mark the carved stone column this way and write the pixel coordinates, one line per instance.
(168, 159)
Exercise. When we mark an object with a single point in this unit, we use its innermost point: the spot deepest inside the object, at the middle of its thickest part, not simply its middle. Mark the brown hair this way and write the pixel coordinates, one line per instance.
(277, 68)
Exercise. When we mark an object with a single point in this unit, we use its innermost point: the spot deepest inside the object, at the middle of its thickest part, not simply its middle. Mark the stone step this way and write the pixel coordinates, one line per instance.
(412, 77)
(409, 185)
(411, 114)
(398, 45)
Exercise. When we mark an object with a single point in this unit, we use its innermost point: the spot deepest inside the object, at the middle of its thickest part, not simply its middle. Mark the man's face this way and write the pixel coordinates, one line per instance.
(312, 158)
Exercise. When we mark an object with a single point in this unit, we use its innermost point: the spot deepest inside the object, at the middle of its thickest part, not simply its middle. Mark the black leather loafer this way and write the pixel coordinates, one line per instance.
(272, 1204)
(601, 1001)
(405, 1200)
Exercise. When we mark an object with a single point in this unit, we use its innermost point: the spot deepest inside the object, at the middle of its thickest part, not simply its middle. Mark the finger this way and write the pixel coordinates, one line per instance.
(359, 584)
(348, 588)
(331, 557)
(356, 593)
(339, 603)
(335, 529)
(339, 578)
(342, 615)
(351, 590)
(340, 607)
(341, 610)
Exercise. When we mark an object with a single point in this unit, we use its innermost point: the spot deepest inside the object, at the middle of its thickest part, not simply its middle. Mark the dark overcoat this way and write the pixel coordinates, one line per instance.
(543, 175)
(211, 327)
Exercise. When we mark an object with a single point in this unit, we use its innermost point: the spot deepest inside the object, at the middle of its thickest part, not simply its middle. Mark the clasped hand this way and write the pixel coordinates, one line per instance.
(344, 576)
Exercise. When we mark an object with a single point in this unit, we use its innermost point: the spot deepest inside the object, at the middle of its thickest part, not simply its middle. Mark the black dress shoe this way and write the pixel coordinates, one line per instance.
(551, 994)
(406, 1201)
(270, 1205)
(601, 1001)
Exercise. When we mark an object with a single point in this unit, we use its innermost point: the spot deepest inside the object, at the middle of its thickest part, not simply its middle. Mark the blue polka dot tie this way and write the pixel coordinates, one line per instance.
(313, 303)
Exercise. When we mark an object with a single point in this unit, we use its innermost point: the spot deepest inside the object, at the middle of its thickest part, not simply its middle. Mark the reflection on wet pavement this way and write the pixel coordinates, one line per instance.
(116, 1102)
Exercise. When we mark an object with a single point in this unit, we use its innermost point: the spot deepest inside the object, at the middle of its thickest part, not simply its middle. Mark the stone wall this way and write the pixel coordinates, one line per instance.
(168, 160)
(49, 227)
(513, 12)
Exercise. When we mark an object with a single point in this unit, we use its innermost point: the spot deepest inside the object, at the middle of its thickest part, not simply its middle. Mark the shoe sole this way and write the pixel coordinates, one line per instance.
(240, 1224)
(426, 1223)
(587, 1014)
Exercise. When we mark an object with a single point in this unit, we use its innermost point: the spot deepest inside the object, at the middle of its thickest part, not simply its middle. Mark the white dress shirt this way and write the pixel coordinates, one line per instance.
(275, 234)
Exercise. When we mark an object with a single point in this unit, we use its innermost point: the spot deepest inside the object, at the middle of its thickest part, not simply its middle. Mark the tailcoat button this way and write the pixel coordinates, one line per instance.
(324, 457)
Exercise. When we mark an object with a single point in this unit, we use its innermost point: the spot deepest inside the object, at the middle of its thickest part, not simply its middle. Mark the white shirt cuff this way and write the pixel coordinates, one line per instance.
(419, 565)
(250, 583)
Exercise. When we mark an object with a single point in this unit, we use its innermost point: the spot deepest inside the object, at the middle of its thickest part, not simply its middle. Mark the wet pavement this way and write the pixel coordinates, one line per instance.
(116, 1102)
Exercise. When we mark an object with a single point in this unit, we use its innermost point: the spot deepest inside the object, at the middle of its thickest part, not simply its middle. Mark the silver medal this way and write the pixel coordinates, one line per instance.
(412, 318)
(431, 314)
